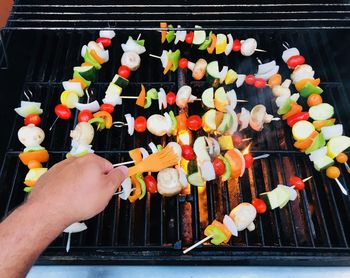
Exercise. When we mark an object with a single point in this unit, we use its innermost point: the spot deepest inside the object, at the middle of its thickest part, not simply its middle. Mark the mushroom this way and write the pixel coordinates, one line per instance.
(131, 60)
(31, 136)
(258, 117)
(243, 215)
(283, 89)
(83, 133)
(199, 69)
(168, 183)
(184, 96)
(158, 125)
(248, 46)
(302, 72)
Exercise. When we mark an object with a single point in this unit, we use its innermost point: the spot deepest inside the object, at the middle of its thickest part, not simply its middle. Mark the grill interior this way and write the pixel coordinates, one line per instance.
(312, 230)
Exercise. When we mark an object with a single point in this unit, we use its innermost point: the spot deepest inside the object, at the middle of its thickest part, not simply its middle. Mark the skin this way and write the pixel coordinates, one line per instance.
(59, 198)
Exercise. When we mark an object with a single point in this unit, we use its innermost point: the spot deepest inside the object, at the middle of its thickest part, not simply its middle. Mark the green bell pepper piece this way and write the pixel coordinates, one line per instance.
(174, 57)
(99, 121)
(206, 43)
(218, 236)
(139, 177)
(89, 59)
(151, 94)
(86, 82)
(173, 123)
(309, 89)
(170, 36)
(27, 189)
(159, 147)
(285, 107)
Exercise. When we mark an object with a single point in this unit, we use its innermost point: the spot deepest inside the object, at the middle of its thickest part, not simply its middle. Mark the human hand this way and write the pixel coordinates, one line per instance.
(77, 189)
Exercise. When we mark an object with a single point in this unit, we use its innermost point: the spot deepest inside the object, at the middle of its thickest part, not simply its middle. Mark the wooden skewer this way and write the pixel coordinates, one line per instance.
(306, 179)
(154, 56)
(246, 139)
(123, 163)
(347, 167)
(139, 37)
(342, 188)
(261, 156)
(260, 50)
(197, 244)
(197, 99)
(275, 119)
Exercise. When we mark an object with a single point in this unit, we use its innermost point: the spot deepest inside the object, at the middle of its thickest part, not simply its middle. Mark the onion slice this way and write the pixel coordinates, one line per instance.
(109, 34)
(169, 123)
(75, 228)
(234, 126)
(240, 80)
(92, 106)
(242, 160)
(162, 103)
(223, 73)
(289, 53)
(144, 153)
(182, 176)
(230, 225)
(73, 87)
(126, 189)
(332, 131)
(207, 170)
(317, 154)
(232, 98)
(153, 147)
(266, 67)
(130, 121)
(244, 118)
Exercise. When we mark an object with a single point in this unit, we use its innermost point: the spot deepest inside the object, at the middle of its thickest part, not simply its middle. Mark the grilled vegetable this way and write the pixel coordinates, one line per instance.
(168, 183)
(243, 215)
(321, 112)
(132, 60)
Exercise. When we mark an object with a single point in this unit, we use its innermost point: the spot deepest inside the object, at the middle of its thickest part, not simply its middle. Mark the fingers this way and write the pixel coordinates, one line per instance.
(116, 176)
(99, 162)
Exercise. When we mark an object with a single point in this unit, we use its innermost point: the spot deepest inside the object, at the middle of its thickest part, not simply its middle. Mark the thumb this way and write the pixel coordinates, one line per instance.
(116, 176)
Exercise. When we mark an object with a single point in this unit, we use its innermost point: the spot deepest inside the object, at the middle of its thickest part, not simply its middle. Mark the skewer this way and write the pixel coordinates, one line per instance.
(139, 37)
(261, 156)
(246, 139)
(306, 179)
(197, 244)
(260, 50)
(341, 187)
(275, 119)
(53, 123)
(155, 56)
(123, 163)
(286, 45)
(30, 93)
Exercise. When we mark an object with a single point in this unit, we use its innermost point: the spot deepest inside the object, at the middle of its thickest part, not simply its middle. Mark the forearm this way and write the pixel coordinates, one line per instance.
(24, 235)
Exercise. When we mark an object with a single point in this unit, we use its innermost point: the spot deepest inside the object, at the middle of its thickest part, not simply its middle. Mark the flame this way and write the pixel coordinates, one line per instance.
(246, 149)
(184, 137)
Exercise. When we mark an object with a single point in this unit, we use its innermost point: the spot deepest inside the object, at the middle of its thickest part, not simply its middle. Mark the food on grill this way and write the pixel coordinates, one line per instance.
(136, 46)
(28, 108)
(321, 112)
(279, 197)
(221, 43)
(82, 136)
(131, 59)
(243, 216)
(259, 117)
(168, 183)
(218, 233)
(259, 205)
(184, 96)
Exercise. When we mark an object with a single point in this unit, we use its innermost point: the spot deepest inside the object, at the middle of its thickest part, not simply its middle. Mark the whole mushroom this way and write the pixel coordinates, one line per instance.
(258, 117)
(248, 46)
(168, 183)
(158, 125)
(283, 89)
(83, 133)
(184, 96)
(31, 136)
(199, 69)
(243, 215)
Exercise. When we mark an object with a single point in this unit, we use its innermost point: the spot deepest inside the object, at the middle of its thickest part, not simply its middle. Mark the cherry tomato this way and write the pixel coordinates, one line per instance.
(183, 63)
(249, 159)
(236, 45)
(32, 119)
(333, 172)
(151, 184)
(259, 205)
(314, 99)
(194, 122)
(189, 37)
(84, 116)
(124, 71)
(140, 124)
(107, 107)
(250, 79)
(297, 182)
(259, 83)
(295, 61)
(219, 167)
(63, 112)
(105, 41)
(237, 140)
(171, 98)
(187, 152)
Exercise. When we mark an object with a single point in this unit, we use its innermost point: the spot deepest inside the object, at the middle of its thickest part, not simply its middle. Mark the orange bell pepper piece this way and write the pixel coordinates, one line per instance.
(211, 48)
(94, 55)
(168, 67)
(295, 108)
(137, 192)
(39, 156)
(85, 64)
(77, 79)
(136, 155)
(142, 97)
(181, 121)
(107, 117)
(223, 228)
(301, 83)
(163, 32)
(319, 124)
(304, 144)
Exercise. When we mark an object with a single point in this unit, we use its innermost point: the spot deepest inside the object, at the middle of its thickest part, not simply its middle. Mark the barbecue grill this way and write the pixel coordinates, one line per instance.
(39, 47)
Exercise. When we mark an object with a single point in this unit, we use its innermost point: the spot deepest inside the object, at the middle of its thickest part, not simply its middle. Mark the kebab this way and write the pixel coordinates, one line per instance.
(311, 138)
(221, 43)
(31, 136)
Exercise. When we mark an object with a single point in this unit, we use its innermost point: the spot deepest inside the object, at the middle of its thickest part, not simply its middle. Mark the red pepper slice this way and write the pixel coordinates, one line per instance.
(297, 117)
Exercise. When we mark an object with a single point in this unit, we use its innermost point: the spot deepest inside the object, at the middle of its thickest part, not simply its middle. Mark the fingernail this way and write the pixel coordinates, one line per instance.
(123, 169)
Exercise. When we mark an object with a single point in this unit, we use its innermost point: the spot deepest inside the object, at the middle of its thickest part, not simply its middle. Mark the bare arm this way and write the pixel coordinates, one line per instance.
(60, 198)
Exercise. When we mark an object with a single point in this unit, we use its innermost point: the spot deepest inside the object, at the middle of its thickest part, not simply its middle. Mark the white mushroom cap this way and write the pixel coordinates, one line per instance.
(243, 215)
(31, 136)
(83, 133)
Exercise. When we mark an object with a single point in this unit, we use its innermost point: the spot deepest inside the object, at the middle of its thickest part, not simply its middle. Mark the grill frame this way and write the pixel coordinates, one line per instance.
(47, 75)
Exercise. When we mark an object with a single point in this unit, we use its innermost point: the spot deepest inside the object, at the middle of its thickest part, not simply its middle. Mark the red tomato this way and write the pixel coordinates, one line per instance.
(32, 119)
(140, 124)
(295, 61)
(105, 41)
(259, 205)
(219, 167)
(183, 63)
(250, 79)
(237, 140)
(63, 112)
(249, 159)
(189, 37)
(151, 184)
(187, 152)
(194, 122)
(236, 45)
(84, 116)
(107, 107)
(297, 182)
(260, 83)
(124, 71)
(171, 98)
